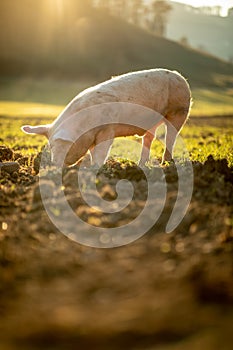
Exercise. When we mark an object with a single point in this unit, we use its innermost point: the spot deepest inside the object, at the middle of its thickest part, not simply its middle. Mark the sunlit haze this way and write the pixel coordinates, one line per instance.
(225, 4)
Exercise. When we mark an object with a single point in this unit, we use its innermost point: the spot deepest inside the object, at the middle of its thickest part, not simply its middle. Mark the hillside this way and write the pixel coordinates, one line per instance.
(211, 33)
(98, 46)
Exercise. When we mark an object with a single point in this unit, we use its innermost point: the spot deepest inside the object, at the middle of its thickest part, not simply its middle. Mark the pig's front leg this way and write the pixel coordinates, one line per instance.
(103, 143)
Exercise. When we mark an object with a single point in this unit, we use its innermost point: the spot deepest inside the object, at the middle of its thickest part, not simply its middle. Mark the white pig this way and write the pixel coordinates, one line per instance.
(163, 91)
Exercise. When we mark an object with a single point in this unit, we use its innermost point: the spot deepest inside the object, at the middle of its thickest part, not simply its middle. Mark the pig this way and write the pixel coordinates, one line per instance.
(161, 90)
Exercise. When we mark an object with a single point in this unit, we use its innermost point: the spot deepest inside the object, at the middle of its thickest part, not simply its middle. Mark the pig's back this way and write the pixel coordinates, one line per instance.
(143, 87)
(149, 88)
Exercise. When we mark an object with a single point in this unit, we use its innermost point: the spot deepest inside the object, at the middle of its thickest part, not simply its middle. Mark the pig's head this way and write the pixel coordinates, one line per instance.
(60, 145)
(61, 152)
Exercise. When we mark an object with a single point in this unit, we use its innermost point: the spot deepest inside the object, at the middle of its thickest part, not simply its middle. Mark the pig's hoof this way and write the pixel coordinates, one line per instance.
(95, 166)
(9, 167)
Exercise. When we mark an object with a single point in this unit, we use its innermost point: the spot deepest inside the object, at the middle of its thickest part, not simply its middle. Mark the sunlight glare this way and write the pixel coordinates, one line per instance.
(59, 7)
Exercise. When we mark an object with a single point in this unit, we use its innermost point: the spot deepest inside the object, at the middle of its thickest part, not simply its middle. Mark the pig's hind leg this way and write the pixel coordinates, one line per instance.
(146, 144)
(174, 124)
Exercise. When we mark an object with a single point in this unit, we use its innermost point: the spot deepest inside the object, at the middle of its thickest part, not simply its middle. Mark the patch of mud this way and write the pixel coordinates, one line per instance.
(166, 291)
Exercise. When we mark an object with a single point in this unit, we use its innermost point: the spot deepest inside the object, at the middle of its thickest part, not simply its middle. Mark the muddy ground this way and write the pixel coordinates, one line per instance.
(163, 291)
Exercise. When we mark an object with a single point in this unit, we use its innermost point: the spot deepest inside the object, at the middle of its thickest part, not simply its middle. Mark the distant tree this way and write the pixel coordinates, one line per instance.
(119, 8)
(217, 10)
(114, 7)
(103, 4)
(129, 10)
(78, 7)
(230, 12)
(202, 48)
(136, 7)
(184, 41)
(206, 10)
(152, 16)
(160, 10)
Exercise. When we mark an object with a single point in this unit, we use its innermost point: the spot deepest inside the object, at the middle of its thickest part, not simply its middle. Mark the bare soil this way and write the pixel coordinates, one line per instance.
(163, 291)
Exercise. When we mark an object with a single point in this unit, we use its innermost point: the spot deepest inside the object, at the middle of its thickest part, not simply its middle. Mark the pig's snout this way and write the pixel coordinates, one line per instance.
(56, 160)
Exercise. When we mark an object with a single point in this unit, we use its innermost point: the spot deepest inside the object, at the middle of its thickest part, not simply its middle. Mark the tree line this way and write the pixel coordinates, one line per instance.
(152, 15)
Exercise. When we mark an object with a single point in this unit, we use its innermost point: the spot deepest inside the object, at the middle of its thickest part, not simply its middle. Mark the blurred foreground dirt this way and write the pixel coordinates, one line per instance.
(164, 291)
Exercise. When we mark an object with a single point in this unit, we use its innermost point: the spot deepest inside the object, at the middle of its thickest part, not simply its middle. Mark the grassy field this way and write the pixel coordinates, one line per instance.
(38, 102)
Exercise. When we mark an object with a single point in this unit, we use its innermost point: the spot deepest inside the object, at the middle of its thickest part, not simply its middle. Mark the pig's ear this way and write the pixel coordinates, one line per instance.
(40, 130)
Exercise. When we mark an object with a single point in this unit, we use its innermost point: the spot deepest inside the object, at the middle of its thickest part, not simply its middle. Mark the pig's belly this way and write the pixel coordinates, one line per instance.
(128, 130)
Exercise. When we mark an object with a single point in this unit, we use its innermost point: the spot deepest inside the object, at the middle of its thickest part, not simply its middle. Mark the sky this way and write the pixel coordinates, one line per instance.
(225, 4)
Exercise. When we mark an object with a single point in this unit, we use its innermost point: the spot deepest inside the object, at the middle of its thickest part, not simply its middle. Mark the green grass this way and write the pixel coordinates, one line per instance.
(209, 140)
(12, 136)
